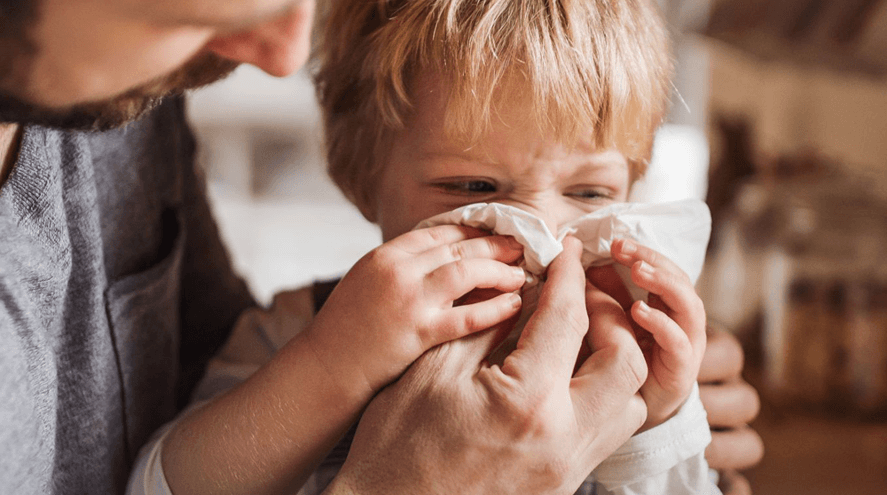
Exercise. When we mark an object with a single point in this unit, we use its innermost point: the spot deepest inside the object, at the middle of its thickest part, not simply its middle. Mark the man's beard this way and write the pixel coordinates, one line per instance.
(121, 109)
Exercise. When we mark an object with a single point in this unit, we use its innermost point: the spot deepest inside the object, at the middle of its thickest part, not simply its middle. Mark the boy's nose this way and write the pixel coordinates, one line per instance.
(278, 46)
(550, 214)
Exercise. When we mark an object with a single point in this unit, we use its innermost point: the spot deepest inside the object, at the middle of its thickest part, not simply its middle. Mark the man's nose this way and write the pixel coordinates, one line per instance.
(278, 46)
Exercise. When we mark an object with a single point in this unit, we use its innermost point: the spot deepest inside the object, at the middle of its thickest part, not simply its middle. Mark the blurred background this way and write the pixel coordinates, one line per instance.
(779, 122)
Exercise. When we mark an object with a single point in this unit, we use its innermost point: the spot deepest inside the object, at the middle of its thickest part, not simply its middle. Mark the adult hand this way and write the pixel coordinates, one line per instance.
(731, 404)
(733, 483)
(456, 424)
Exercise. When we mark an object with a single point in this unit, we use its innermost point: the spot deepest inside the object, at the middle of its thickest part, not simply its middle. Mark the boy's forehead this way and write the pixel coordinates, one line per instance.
(511, 109)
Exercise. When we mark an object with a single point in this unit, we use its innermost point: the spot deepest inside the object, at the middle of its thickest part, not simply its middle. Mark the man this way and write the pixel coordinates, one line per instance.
(115, 289)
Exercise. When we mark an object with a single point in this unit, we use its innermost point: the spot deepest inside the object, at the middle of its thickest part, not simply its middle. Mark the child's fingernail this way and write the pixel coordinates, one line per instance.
(515, 300)
(645, 268)
(643, 307)
(628, 247)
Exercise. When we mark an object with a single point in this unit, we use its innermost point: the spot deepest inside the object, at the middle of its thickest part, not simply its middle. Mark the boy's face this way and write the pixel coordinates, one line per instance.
(514, 163)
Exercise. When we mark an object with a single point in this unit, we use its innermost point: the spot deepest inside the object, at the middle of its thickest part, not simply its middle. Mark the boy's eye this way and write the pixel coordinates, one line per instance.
(467, 186)
(590, 194)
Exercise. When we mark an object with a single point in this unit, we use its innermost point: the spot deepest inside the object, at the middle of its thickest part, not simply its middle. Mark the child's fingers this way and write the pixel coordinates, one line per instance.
(491, 247)
(675, 292)
(421, 240)
(463, 320)
(627, 252)
(453, 280)
(669, 336)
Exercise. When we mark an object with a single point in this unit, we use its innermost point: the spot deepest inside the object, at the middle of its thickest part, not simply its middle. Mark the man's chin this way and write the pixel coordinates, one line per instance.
(122, 109)
(89, 117)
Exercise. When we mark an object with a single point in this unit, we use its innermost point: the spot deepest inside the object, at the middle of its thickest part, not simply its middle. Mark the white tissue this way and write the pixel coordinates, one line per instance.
(678, 230)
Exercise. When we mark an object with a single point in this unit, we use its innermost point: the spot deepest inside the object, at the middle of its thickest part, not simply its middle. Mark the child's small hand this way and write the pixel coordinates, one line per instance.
(674, 320)
(398, 301)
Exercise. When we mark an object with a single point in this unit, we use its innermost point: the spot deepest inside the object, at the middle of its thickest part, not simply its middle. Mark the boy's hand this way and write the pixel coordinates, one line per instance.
(670, 325)
(398, 301)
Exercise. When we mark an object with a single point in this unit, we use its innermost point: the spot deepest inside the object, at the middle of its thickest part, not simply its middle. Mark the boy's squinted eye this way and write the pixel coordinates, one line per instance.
(466, 186)
(593, 195)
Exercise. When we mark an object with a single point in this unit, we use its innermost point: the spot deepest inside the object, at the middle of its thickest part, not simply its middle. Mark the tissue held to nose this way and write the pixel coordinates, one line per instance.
(678, 230)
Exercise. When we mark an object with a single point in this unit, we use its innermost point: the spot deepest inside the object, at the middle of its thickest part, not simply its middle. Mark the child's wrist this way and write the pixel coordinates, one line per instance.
(658, 415)
(656, 419)
(345, 375)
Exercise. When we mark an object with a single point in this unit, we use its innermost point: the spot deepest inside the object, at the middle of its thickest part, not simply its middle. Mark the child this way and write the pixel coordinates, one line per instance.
(548, 106)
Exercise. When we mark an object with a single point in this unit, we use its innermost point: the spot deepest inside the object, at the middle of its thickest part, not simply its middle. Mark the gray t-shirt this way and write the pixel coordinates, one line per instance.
(114, 292)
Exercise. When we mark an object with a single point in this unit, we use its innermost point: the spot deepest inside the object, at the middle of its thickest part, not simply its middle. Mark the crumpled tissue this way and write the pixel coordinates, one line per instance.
(678, 230)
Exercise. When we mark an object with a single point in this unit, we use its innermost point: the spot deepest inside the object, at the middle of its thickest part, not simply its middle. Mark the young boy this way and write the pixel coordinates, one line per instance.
(549, 107)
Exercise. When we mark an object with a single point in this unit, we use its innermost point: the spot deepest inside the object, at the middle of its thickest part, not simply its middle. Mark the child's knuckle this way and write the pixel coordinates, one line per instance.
(458, 271)
(436, 234)
(458, 251)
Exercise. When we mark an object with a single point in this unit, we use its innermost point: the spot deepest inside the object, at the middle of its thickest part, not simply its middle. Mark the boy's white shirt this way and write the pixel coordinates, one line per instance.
(667, 459)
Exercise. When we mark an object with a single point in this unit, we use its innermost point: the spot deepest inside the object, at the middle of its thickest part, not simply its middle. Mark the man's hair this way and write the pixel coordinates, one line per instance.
(599, 66)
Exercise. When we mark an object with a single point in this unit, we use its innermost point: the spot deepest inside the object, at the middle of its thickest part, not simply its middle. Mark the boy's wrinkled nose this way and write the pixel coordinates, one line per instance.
(549, 213)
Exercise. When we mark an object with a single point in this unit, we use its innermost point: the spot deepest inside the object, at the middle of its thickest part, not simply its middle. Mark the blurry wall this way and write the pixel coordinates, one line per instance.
(798, 191)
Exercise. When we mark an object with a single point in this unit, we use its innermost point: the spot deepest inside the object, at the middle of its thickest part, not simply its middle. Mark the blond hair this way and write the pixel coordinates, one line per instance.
(591, 66)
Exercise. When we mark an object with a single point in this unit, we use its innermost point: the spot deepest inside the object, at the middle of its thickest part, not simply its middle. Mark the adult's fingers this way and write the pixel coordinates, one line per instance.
(550, 342)
(471, 352)
(608, 323)
(723, 359)
(607, 382)
(733, 483)
(730, 404)
(738, 448)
